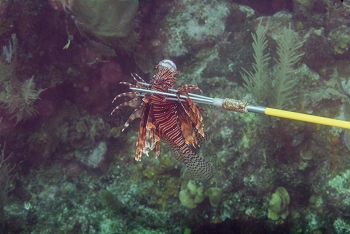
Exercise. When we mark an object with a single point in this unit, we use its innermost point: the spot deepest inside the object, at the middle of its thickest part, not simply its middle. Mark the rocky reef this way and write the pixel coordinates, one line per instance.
(74, 170)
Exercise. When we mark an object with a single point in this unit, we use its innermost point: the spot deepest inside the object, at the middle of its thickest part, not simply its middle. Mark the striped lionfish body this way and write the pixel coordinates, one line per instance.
(178, 124)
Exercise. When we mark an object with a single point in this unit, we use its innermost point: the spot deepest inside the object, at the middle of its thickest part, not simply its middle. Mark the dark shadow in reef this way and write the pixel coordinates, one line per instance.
(235, 226)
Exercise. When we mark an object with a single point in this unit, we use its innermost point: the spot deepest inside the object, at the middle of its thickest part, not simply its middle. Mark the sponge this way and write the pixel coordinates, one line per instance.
(191, 195)
(279, 202)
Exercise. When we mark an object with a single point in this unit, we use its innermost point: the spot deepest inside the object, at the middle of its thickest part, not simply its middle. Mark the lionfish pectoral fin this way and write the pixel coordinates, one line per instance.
(158, 148)
(138, 158)
(188, 133)
(196, 116)
(201, 131)
(201, 109)
(188, 88)
(150, 125)
(145, 99)
(183, 107)
(190, 108)
(199, 138)
(139, 146)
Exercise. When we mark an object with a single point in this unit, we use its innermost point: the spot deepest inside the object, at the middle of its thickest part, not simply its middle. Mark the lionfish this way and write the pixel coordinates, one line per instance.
(178, 124)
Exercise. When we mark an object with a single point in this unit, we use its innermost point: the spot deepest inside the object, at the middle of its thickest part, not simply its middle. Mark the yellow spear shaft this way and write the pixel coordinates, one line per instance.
(307, 118)
(244, 107)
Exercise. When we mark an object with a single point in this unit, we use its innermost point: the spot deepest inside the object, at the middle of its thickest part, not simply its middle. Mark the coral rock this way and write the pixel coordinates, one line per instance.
(215, 195)
(279, 204)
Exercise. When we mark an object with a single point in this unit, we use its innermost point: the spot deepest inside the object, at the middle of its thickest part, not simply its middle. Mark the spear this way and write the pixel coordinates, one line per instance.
(245, 107)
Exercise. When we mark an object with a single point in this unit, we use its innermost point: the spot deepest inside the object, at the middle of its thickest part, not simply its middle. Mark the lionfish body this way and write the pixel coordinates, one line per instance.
(178, 124)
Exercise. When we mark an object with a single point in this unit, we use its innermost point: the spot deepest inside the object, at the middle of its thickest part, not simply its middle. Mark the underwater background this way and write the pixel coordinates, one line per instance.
(66, 167)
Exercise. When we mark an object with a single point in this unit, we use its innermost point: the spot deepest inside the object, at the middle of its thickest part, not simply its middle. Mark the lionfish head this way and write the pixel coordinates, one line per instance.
(165, 77)
(170, 65)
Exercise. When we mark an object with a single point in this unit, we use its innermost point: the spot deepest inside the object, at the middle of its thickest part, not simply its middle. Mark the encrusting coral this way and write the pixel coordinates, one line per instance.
(191, 195)
(279, 202)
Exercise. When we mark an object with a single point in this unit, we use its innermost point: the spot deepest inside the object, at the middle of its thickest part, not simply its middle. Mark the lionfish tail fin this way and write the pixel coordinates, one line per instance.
(198, 167)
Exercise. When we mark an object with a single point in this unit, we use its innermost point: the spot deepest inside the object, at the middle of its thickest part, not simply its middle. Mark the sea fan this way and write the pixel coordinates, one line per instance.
(283, 86)
(280, 89)
(256, 82)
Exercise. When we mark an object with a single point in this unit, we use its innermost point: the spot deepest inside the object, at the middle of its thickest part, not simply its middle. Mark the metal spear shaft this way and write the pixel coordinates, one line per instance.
(245, 107)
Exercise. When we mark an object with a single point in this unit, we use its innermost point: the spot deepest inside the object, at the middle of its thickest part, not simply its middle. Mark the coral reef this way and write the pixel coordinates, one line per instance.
(193, 25)
(77, 173)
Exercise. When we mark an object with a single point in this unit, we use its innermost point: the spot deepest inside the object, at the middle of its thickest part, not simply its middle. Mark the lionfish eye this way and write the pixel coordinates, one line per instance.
(168, 64)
